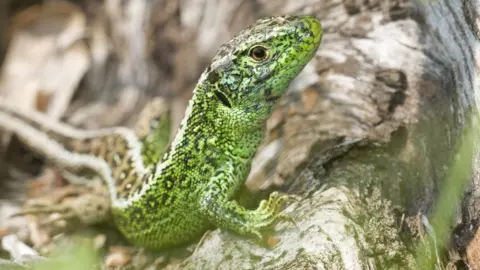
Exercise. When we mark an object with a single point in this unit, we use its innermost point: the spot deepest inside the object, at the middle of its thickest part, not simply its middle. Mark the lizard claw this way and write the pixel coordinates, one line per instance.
(269, 213)
(278, 200)
(257, 235)
(287, 218)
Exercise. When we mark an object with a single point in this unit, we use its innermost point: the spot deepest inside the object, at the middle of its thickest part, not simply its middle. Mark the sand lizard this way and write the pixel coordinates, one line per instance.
(159, 201)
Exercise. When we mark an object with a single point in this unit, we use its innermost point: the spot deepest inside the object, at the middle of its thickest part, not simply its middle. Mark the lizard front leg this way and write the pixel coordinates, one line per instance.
(218, 205)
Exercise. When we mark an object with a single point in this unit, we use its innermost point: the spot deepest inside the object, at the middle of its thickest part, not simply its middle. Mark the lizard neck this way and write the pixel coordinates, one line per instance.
(211, 134)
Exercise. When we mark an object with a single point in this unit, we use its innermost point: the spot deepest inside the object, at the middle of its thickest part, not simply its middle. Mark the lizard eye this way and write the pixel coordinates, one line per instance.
(258, 53)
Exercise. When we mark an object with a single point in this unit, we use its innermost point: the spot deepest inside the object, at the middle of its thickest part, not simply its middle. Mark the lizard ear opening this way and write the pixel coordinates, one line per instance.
(221, 96)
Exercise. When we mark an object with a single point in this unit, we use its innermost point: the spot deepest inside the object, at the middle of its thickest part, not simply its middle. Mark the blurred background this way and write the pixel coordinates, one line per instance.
(96, 63)
(110, 53)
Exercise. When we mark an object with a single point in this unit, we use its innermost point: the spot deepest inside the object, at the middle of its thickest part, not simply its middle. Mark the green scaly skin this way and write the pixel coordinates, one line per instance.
(191, 188)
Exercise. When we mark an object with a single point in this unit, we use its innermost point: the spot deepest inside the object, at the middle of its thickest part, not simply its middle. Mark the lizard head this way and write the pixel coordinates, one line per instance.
(250, 73)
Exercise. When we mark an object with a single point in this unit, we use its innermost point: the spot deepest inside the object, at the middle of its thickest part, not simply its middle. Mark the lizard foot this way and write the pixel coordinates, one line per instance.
(268, 214)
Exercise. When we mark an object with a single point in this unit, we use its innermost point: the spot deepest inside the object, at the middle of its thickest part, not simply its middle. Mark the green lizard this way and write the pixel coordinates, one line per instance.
(163, 201)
